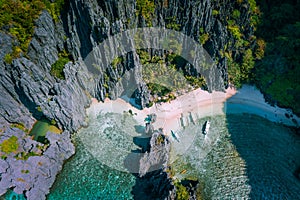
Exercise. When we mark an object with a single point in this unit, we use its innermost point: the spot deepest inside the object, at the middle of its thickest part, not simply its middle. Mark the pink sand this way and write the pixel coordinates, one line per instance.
(199, 104)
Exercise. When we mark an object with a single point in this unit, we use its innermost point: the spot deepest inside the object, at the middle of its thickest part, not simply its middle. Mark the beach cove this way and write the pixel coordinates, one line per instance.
(227, 164)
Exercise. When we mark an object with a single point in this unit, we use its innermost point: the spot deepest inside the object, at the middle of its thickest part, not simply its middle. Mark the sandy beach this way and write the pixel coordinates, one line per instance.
(198, 104)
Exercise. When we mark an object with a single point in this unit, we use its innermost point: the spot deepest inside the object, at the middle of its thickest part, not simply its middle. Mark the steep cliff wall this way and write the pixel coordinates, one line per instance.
(84, 25)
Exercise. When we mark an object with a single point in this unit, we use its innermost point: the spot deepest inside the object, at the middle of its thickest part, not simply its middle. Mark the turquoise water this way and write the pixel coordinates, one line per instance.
(251, 158)
(10, 195)
(243, 156)
(84, 177)
(89, 174)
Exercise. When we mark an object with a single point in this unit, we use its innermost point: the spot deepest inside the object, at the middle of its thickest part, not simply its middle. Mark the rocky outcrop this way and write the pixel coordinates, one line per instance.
(28, 89)
(34, 175)
(153, 182)
(158, 156)
(11, 108)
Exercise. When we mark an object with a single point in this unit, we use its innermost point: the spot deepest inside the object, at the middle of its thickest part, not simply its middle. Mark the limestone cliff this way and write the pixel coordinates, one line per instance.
(84, 25)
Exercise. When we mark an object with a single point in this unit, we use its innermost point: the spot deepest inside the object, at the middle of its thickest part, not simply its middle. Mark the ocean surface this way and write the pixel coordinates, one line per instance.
(243, 156)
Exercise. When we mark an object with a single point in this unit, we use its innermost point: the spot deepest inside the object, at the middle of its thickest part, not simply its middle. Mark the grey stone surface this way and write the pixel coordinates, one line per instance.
(158, 155)
(11, 108)
(84, 26)
(153, 181)
(34, 176)
(46, 42)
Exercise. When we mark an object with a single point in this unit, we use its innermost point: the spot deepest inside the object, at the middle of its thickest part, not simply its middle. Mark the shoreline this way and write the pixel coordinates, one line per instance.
(198, 104)
(251, 101)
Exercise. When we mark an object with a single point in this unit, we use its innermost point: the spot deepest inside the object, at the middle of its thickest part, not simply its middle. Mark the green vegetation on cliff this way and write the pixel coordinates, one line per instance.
(181, 192)
(165, 75)
(9, 145)
(277, 72)
(57, 69)
(271, 57)
(17, 19)
(239, 53)
(145, 8)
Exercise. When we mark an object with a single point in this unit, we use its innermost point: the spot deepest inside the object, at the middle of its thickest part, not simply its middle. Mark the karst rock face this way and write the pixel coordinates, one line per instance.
(30, 92)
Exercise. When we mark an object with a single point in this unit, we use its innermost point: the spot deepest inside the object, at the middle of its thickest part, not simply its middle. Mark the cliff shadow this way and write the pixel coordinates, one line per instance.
(153, 185)
(31, 106)
(131, 162)
(81, 20)
(271, 155)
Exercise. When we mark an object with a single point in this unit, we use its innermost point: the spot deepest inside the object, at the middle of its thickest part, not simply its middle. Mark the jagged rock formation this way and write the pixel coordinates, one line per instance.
(35, 175)
(11, 108)
(153, 181)
(29, 92)
(158, 156)
(85, 24)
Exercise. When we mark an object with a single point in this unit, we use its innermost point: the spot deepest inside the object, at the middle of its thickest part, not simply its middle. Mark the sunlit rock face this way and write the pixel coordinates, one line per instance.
(83, 26)
(33, 175)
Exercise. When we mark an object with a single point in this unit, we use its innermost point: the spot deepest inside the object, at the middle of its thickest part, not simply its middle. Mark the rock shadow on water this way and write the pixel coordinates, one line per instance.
(132, 161)
(155, 184)
(140, 129)
(271, 155)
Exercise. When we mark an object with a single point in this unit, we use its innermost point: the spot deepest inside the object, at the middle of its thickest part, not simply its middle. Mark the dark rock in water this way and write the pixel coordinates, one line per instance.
(149, 129)
(158, 156)
(191, 186)
(297, 173)
(153, 182)
(154, 185)
(143, 142)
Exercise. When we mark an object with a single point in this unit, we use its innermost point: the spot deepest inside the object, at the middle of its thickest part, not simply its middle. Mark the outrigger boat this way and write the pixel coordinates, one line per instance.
(206, 128)
(174, 136)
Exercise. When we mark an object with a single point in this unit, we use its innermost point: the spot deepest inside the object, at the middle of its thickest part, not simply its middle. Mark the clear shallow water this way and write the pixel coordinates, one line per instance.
(97, 170)
(85, 177)
(243, 156)
(214, 161)
(10, 195)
